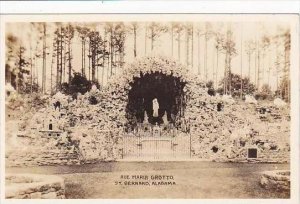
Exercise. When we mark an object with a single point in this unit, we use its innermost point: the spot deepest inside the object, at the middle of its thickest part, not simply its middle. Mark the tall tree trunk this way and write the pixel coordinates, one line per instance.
(217, 67)
(30, 65)
(213, 68)
(111, 52)
(115, 62)
(93, 59)
(249, 70)
(134, 40)
(187, 46)
(258, 68)
(106, 57)
(172, 40)
(36, 72)
(64, 64)
(20, 67)
(93, 56)
(179, 46)
(225, 74)
(108, 61)
(82, 56)
(35, 78)
(269, 65)
(255, 63)
(61, 59)
(103, 67)
(89, 60)
(123, 50)
(241, 61)
(192, 49)
(51, 72)
(146, 28)
(70, 58)
(152, 39)
(97, 67)
(287, 45)
(57, 59)
(263, 65)
(44, 60)
(229, 63)
(277, 69)
(51, 68)
(205, 58)
(229, 74)
(199, 65)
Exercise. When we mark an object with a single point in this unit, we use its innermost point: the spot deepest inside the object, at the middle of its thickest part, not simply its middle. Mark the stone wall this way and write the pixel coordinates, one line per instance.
(92, 147)
(86, 146)
(41, 158)
(263, 155)
(34, 186)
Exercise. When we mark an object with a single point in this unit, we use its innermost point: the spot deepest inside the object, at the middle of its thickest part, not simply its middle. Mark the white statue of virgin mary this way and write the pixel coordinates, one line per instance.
(155, 106)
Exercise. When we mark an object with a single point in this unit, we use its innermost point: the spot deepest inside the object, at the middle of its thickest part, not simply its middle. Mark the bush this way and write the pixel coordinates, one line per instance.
(264, 94)
(211, 92)
(78, 84)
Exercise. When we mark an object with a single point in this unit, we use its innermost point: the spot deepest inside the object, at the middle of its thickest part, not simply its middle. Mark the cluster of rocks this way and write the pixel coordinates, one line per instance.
(276, 180)
(34, 186)
(227, 135)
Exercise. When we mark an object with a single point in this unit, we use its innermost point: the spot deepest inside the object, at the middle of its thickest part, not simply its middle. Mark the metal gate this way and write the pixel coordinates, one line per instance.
(149, 148)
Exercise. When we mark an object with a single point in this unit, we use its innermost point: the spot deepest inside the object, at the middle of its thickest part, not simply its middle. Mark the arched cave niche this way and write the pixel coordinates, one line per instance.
(167, 89)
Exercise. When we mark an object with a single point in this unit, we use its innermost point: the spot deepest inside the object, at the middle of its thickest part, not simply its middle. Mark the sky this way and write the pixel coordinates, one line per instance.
(242, 33)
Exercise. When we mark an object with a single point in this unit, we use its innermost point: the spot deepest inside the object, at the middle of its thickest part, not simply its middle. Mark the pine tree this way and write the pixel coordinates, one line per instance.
(250, 47)
(156, 30)
(189, 35)
(83, 34)
(178, 28)
(230, 51)
(133, 29)
(219, 40)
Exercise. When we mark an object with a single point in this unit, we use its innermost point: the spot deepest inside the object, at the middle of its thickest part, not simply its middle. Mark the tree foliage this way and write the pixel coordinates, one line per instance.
(210, 88)
(264, 93)
(283, 89)
(236, 84)
(156, 30)
(78, 84)
(16, 62)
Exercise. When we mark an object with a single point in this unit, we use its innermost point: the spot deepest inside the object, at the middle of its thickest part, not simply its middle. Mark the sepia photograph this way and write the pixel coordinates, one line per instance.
(148, 106)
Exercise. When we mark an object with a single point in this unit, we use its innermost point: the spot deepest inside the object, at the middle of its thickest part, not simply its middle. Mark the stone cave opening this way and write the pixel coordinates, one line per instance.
(167, 89)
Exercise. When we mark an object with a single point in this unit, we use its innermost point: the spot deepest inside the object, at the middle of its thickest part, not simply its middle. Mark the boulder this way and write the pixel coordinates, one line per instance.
(228, 99)
(250, 99)
(279, 102)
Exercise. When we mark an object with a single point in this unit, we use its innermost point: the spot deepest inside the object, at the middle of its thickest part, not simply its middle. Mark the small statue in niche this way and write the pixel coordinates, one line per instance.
(165, 118)
(146, 121)
(156, 130)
